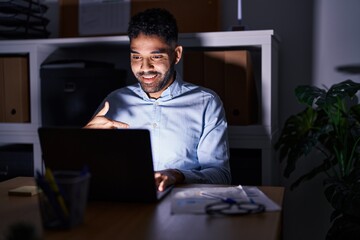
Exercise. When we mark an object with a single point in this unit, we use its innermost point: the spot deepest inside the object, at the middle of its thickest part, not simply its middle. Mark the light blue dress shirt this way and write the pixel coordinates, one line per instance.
(187, 126)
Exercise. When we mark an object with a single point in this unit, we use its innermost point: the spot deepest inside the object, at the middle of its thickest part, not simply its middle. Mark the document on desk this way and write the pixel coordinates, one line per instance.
(194, 200)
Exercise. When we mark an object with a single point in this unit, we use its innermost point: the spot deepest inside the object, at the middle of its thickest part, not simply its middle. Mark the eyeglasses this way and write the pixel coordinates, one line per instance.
(234, 208)
(228, 206)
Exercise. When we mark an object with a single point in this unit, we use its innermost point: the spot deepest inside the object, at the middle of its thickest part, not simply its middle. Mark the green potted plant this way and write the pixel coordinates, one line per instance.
(330, 126)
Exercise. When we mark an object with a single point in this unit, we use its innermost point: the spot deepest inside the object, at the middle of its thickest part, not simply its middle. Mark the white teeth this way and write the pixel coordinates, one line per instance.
(149, 77)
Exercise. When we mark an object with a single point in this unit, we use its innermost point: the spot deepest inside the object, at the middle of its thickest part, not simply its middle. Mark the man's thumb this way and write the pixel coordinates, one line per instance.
(104, 110)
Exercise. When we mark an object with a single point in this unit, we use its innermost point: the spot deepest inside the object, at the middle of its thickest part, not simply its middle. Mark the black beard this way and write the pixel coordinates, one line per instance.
(153, 89)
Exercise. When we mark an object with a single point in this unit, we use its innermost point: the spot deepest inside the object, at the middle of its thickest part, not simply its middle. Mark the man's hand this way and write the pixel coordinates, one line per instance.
(100, 121)
(168, 177)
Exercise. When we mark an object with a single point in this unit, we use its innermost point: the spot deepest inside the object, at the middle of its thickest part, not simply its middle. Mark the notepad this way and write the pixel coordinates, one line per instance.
(26, 191)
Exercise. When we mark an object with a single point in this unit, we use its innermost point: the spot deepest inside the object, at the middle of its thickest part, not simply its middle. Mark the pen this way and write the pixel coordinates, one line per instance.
(50, 178)
(50, 195)
(224, 199)
(246, 194)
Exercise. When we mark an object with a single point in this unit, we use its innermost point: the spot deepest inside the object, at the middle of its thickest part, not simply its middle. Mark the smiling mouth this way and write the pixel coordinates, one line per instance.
(147, 77)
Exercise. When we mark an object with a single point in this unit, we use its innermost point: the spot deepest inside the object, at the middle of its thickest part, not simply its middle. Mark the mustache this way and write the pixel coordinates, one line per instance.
(141, 74)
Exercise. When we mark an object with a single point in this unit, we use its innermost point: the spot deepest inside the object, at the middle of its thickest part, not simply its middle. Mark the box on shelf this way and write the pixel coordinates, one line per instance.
(230, 74)
(203, 17)
(191, 16)
(14, 89)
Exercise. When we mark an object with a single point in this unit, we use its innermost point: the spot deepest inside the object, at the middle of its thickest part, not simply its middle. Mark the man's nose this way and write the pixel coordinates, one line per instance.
(146, 64)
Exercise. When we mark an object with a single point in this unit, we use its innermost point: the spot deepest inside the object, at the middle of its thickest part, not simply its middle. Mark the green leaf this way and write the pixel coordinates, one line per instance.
(299, 136)
(344, 194)
(355, 112)
(326, 165)
(344, 227)
(341, 90)
(308, 94)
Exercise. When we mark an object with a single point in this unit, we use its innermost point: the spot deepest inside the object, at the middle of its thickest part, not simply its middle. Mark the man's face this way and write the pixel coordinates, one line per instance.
(152, 62)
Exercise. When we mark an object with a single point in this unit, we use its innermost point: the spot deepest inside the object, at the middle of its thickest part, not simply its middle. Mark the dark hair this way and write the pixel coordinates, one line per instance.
(154, 21)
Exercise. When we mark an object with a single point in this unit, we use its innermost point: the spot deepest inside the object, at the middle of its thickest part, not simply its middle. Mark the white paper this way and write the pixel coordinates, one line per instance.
(259, 197)
(98, 17)
(192, 200)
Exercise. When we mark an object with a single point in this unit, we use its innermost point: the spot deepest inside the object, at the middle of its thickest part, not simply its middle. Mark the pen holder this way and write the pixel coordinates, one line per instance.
(65, 209)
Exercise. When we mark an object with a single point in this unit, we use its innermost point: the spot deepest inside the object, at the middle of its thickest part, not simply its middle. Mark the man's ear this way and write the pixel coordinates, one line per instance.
(178, 53)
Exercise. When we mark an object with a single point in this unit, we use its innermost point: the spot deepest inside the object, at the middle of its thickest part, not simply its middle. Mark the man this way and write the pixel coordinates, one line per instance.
(187, 122)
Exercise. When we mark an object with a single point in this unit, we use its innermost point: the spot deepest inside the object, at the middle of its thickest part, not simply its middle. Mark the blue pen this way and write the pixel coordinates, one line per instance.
(44, 185)
(247, 195)
(224, 199)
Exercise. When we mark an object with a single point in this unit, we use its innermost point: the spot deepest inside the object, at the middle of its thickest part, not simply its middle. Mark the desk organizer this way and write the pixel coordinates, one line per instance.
(64, 208)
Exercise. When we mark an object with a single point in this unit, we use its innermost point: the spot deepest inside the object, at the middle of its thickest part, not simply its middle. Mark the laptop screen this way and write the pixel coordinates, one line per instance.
(120, 161)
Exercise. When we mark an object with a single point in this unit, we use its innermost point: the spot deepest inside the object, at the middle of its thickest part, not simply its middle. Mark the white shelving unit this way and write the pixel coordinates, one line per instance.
(259, 136)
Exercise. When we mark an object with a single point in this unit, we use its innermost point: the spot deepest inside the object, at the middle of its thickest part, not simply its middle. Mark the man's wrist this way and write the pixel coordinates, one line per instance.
(179, 176)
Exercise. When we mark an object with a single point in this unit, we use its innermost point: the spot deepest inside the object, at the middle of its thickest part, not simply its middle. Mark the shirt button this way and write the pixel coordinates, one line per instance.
(154, 125)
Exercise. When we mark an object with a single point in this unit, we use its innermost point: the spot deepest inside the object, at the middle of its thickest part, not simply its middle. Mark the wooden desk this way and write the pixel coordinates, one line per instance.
(143, 221)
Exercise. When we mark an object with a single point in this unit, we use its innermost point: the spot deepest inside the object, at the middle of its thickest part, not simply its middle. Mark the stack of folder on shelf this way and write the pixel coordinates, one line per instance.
(22, 19)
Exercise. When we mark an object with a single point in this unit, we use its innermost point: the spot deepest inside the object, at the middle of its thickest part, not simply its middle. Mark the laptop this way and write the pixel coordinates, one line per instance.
(119, 160)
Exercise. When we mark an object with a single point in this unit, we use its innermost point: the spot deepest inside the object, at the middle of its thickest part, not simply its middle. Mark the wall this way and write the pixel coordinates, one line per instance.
(338, 40)
(316, 38)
